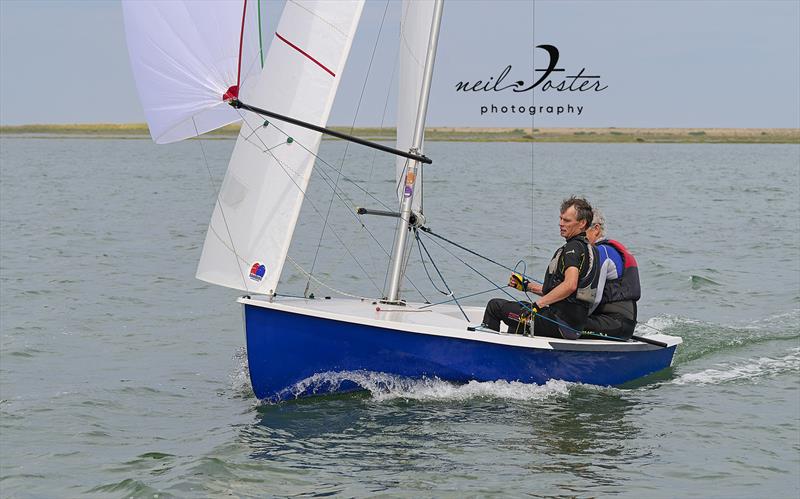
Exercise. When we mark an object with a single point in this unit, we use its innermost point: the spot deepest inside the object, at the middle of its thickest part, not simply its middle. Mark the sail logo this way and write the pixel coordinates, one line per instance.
(409, 188)
(257, 271)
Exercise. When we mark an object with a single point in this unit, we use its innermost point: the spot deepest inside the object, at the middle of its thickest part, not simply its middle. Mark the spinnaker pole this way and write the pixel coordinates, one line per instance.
(396, 267)
(236, 103)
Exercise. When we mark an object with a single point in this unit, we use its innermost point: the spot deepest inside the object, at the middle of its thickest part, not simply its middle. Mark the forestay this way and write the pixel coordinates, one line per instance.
(185, 56)
(415, 28)
(260, 199)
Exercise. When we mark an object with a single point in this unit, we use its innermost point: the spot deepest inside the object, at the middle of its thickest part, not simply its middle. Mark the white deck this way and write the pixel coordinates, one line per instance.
(440, 320)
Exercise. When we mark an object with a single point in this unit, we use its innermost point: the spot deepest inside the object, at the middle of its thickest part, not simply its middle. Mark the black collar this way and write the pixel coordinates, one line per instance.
(582, 237)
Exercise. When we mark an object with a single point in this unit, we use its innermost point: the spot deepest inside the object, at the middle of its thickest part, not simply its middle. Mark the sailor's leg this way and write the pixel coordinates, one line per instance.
(614, 319)
(611, 325)
(608, 324)
(504, 310)
(512, 311)
(493, 313)
(544, 327)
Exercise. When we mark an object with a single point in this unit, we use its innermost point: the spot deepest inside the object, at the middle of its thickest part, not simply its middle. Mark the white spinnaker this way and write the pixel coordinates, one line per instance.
(415, 29)
(263, 190)
(185, 55)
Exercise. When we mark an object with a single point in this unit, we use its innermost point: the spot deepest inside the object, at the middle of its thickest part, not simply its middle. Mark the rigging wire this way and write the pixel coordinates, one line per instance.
(349, 202)
(430, 232)
(533, 122)
(375, 153)
(321, 283)
(325, 176)
(221, 210)
(471, 267)
(493, 288)
(321, 160)
(347, 146)
(311, 203)
(424, 266)
(424, 298)
(383, 118)
(525, 306)
(422, 245)
(327, 180)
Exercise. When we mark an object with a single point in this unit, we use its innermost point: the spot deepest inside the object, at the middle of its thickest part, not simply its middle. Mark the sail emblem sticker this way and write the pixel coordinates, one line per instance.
(257, 271)
(409, 188)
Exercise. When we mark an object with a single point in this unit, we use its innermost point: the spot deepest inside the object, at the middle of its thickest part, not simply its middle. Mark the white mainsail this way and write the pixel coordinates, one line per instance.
(415, 29)
(185, 56)
(260, 199)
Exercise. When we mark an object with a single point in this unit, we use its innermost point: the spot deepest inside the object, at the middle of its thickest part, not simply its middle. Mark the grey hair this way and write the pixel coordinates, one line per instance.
(600, 220)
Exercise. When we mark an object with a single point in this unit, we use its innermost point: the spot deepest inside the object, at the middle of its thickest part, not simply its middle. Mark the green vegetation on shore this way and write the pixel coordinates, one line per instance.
(590, 135)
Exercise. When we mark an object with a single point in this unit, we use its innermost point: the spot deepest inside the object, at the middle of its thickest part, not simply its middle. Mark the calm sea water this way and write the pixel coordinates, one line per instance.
(123, 376)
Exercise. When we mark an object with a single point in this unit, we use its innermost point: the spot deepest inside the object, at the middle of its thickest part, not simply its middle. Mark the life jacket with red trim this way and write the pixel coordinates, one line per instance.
(627, 286)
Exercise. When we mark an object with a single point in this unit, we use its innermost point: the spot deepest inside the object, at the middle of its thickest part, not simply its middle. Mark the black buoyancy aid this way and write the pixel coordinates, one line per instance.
(588, 277)
(627, 286)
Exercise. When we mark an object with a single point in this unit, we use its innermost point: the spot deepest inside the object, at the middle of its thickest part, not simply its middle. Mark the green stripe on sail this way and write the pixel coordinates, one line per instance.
(260, 41)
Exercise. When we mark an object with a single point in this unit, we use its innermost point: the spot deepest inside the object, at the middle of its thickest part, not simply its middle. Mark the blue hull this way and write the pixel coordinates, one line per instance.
(285, 348)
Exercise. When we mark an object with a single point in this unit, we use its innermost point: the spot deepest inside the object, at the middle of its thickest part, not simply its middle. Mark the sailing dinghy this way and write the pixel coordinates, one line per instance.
(199, 66)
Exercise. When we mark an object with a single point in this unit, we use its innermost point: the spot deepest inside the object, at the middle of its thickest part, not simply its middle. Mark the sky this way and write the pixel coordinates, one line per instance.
(663, 63)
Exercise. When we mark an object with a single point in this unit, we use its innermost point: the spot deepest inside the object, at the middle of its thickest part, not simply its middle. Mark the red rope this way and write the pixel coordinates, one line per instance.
(241, 42)
(233, 91)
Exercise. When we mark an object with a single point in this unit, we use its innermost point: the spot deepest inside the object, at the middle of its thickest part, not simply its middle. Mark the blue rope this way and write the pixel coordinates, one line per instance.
(422, 245)
(430, 232)
(525, 305)
(460, 298)
(471, 267)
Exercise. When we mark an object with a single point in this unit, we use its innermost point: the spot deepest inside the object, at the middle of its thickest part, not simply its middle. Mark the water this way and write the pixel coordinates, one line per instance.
(123, 376)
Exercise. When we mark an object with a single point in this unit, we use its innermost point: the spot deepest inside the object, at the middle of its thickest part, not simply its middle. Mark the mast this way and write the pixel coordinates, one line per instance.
(401, 236)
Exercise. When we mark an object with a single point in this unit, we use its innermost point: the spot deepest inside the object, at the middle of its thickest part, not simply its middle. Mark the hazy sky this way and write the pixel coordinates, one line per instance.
(720, 63)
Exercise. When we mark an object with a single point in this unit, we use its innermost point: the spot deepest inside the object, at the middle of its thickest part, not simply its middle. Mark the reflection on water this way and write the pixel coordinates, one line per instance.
(588, 436)
(585, 433)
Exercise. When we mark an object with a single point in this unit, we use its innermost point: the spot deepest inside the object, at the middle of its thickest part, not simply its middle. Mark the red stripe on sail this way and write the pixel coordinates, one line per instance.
(233, 90)
(287, 42)
(241, 41)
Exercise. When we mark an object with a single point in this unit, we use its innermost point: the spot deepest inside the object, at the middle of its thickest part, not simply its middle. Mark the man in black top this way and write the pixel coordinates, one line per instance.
(569, 288)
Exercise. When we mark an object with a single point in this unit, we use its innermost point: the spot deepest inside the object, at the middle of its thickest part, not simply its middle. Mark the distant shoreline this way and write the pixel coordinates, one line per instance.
(459, 134)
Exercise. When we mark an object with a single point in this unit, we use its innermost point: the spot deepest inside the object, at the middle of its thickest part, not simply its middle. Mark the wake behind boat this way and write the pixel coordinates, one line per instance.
(199, 66)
